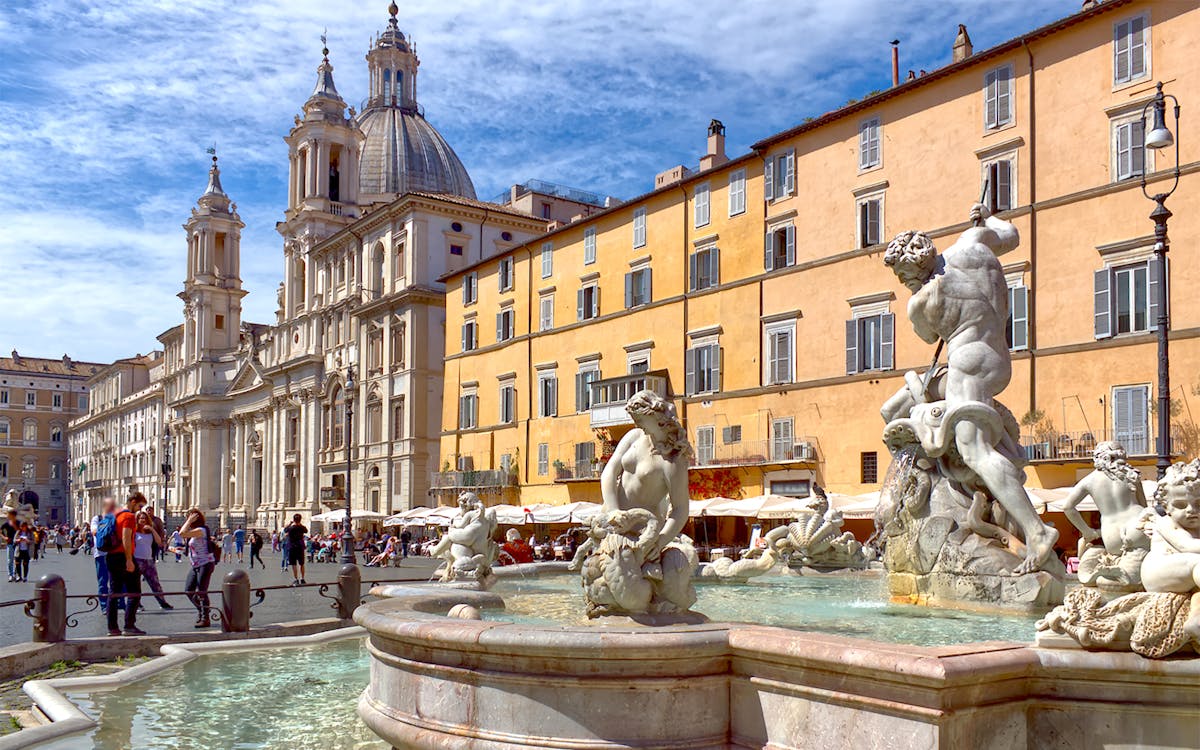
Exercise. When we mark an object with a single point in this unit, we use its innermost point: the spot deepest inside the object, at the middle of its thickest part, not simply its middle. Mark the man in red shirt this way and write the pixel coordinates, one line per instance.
(122, 570)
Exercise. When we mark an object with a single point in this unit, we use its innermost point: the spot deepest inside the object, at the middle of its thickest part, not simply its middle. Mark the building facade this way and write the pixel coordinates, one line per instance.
(752, 292)
(38, 399)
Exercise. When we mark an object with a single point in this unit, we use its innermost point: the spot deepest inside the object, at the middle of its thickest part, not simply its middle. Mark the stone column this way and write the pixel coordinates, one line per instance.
(313, 169)
(292, 180)
(323, 169)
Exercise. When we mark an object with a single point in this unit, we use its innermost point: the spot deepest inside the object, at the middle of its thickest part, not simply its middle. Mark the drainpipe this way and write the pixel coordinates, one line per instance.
(686, 266)
(1032, 299)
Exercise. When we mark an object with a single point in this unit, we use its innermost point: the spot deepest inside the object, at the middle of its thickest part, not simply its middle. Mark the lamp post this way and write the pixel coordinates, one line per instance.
(1160, 138)
(166, 466)
(347, 534)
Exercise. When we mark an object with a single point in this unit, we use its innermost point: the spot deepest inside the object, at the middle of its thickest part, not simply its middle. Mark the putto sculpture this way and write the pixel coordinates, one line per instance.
(636, 563)
(957, 521)
(815, 539)
(1165, 618)
(1116, 488)
(468, 546)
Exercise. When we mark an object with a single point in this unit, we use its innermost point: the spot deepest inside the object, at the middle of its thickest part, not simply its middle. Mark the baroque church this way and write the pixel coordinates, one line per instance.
(342, 392)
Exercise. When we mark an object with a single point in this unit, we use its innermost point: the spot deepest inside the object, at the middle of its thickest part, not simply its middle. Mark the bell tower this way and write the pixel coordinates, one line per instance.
(212, 292)
(393, 64)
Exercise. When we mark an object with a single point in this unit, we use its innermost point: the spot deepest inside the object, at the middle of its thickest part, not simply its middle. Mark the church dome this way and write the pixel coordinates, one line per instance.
(403, 153)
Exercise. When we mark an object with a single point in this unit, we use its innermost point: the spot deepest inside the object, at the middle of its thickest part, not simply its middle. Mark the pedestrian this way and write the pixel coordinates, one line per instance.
(227, 547)
(256, 545)
(8, 531)
(107, 508)
(295, 544)
(145, 540)
(176, 544)
(239, 542)
(56, 538)
(160, 528)
(405, 541)
(200, 549)
(24, 542)
(275, 541)
(115, 538)
(283, 548)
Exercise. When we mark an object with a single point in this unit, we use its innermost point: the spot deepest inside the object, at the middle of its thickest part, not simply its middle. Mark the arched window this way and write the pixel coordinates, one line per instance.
(398, 270)
(298, 285)
(29, 432)
(4, 431)
(387, 86)
(399, 90)
(56, 434)
(337, 424)
(377, 270)
(374, 418)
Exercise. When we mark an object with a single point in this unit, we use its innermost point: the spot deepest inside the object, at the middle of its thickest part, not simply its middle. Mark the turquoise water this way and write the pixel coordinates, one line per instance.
(850, 605)
(278, 699)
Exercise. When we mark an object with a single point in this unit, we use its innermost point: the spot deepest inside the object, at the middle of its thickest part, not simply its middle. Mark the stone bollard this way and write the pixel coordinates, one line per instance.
(349, 590)
(49, 610)
(235, 602)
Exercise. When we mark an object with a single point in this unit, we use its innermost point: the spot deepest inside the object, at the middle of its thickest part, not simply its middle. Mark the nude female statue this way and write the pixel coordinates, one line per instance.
(961, 298)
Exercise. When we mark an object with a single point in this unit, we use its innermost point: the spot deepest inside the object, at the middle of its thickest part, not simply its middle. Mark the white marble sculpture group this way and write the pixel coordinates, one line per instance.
(1153, 553)
(957, 523)
(468, 546)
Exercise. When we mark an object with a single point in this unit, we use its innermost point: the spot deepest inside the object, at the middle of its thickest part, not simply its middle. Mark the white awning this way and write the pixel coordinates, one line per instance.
(337, 516)
(750, 507)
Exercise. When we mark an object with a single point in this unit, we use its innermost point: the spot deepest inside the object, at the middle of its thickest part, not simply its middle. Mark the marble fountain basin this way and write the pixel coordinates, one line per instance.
(491, 684)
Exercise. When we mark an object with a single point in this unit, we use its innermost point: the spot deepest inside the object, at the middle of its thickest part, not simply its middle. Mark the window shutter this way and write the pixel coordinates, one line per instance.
(1154, 276)
(715, 378)
(1003, 96)
(714, 266)
(1020, 317)
(499, 326)
(1121, 52)
(1123, 156)
(580, 384)
(863, 228)
(595, 301)
(1002, 180)
(579, 305)
(989, 99)
(789, 174)
(790, 244)
(689, 367)
(769, 179)
(693, 267)
(1137, 47)
(864, 143)
(1137, 154)
(851, 346)
(647, 285)
(465, 290)
(628, 290)
(887, 341)
(553, 397)
(1101, 284)
(768, 246)
(463, 340)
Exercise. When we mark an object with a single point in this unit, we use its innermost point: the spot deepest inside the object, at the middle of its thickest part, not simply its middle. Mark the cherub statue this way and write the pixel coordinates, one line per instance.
(467, 546)
(617, 573)
(1173, 562)
(1116, 488)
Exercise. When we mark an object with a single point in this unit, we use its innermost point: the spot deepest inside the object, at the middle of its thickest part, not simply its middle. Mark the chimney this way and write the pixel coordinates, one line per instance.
(895, 62)
(962, 44)
(716, 146)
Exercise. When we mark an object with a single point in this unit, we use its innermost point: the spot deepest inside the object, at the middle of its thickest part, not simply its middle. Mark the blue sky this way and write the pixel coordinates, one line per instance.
(107, 107)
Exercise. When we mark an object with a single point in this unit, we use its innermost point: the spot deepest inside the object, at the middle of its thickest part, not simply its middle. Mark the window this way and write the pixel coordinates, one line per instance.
(374, 419)
(704, 269)
(702, 369)
(546, 209)
(31, 398)
(4, 396)
(29, 432)
(997, 97)
(1131, 418)
(780, 248)
(398, 419)
(705, 453)
(219, 322)
(29, 470)
(868, 144)
(456, 249)
(398, 269)
(637, 288)
(546, 312)
(3, 467)
(470, 288)
(779, 175)
(638, 363)
(547, 395)
(583, 388)
(870, 343)
(1017, 329)
(504, 324)
(731, 434)
(504, 274)
(587, 302)
(508, 403)
(4, 434)
(585, 456)
(737, 192)
(398, 344)
(83, 403)
(639, 227)
(869, 467)
(56, 435)
(870, 221)
(589, 246)
(1126, 299)
(56, 400)
(1130, 50)
(543, 461)
(547, 259)
(1000, 194)
(470, 336)
(468, 411)
(700, 205)
(780, 351)
(1129, 153)
(781, 439)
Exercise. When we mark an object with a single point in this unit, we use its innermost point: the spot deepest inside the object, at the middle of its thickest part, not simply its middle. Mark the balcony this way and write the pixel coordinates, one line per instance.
(609, 396)
(577, 471)
(472, 480)
(800, 450)
(1078, 446)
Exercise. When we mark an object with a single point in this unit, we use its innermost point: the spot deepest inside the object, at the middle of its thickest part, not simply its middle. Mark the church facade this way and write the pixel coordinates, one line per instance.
(341, 393)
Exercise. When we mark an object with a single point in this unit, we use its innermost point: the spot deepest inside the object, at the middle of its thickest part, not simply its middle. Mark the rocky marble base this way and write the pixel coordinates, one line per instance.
(1032, 592)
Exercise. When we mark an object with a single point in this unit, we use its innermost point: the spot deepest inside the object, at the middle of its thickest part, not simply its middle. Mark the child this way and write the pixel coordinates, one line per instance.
(1173, 563)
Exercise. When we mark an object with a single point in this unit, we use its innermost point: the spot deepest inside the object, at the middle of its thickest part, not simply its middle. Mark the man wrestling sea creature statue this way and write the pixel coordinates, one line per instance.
(467, 546)
(955, 532)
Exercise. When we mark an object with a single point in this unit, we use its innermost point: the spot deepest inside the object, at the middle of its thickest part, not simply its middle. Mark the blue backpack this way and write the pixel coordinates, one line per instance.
(107, 539)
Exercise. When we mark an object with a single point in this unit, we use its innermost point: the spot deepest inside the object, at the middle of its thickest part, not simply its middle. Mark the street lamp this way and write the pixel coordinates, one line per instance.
(166, 466)
(1159, 138)
(347, 535)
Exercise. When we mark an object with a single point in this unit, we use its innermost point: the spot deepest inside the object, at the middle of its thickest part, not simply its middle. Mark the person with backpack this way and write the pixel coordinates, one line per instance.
(107, 508)
(296, 532)
(9, 532)
(202, 553)
(24, 542)
(115, 538)
(256, 546)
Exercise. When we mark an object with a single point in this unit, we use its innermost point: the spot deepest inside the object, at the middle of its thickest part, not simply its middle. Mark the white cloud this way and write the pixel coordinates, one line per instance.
(109, 106)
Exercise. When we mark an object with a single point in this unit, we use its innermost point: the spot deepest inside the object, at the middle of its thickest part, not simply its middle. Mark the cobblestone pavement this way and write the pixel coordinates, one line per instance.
(79, 572)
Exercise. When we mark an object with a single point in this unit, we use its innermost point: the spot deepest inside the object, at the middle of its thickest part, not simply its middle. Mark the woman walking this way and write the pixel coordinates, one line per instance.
(24, 542)
(256, 546)
(200, 551)
(145, 537)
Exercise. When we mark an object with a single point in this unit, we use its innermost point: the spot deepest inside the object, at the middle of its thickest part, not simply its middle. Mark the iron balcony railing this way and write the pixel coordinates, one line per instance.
(452, 480)
(756, 452)
(1078, 446)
